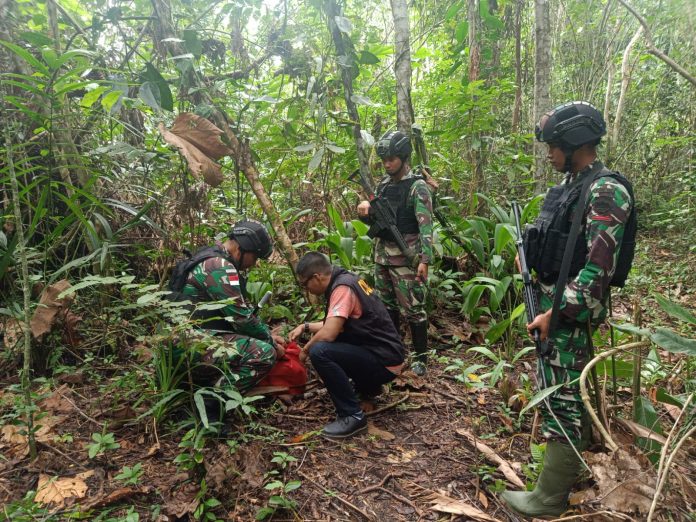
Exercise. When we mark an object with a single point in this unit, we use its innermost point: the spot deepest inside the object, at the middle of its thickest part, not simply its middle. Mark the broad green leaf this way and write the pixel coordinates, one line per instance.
(485, 351)
(461, 31)
(344, 25)
(674, 309)
(624, 369)
(542, 395)
(367, 138)
(316, 159)
(496, 331)
(673, 342)
(304, 148)
(26, 56)
(645, 415)
(630, 328)
(165, 100)
(367, 58)
(335, 148)
(150, 94)
(662, 396)
(193, 44)
(36, 39)
(92, 96)
(110, 99)
(359, 99)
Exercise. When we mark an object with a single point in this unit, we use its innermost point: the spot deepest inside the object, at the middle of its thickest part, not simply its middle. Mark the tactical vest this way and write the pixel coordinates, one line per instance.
(545, 240)
(397, 196)
(209, 319)
(374, 330)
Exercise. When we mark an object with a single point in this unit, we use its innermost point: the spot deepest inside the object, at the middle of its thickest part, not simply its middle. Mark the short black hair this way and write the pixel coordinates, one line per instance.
(313, 263)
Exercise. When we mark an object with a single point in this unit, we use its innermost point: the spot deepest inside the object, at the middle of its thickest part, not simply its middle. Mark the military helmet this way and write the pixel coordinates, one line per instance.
(394, 143)
(571, 125)
(252, 237)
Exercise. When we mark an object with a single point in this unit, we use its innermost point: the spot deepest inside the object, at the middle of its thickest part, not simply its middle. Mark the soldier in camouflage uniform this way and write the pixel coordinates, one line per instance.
(572, 132)
(232, 347)
(401, 287)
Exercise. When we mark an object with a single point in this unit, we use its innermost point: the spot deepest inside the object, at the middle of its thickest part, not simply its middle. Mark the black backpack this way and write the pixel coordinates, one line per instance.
(183, 268)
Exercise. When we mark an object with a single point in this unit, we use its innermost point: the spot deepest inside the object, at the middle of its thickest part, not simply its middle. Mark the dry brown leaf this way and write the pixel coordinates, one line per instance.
(57, 491)
(183, 501)
(49, 306)
(57, 402)
(10, 434)
(404, 457)
(116, 496)
(624, 480)
(491, 455)
(641, 431)
(445, 504)
(199, 142)
(483, 499)
(378, 432)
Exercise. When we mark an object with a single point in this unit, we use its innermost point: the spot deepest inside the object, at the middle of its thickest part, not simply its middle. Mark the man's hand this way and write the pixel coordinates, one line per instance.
(422, 272)
(279, 345)
(363, 208)
(542, 323)
(304, 355)
(296, 333)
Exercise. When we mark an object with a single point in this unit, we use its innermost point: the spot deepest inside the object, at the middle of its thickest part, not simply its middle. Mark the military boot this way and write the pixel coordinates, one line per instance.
(419, 337)
(550, 496)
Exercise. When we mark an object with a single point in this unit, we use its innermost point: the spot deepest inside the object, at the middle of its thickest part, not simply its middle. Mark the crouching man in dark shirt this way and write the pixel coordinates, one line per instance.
(357, 341)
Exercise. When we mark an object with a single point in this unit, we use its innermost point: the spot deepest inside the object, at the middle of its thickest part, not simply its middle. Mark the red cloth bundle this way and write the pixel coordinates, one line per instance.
(288, 371)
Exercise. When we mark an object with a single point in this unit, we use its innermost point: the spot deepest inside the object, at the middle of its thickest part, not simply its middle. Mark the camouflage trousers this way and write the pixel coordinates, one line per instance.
(228, 359)
(565, 364)
(399, 289)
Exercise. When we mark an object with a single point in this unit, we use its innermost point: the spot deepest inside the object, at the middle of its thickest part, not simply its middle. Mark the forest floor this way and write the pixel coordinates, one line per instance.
(436, 449)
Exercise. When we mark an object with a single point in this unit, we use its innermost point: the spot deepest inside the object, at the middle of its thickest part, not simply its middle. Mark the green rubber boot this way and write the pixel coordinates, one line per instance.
(550, 496)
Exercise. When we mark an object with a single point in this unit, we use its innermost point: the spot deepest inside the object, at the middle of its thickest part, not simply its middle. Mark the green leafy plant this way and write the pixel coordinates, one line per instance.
(131, 476)
(102, 442)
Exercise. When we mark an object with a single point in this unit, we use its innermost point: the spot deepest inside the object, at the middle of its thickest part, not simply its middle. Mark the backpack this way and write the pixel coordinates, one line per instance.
(183, 268)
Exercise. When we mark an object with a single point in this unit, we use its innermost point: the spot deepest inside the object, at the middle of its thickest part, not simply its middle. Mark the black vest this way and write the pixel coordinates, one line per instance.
(374, 330)
(397, 196)
(545, 240)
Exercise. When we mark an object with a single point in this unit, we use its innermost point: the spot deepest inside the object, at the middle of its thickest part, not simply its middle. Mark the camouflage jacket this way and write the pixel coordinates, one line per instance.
(585, 296)
(388, 252)
(217, 280)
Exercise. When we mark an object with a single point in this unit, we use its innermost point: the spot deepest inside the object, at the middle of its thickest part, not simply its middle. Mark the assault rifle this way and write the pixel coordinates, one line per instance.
(530, 302)
(384, 218)
(422, 151)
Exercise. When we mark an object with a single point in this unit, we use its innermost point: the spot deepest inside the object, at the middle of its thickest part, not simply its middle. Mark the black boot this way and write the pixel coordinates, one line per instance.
(419, 337)
(396, 319)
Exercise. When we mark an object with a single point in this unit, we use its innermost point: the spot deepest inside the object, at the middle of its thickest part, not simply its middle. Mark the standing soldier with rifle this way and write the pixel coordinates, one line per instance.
(401, 275)
(581, 244)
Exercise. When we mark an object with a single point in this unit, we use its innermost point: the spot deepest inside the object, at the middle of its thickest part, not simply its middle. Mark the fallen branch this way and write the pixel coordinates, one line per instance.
(491, 455)
(335, 496)
(402, 499)
(444, 504)
(388, 406)
(376, 486)
(586, 396)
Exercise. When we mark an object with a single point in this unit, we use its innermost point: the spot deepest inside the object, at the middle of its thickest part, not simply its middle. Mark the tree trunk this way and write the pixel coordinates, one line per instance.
(332, 12)
(477, 181)
(402, 66)
(626, 70)
(542, 79)
(607, 105)
(517, 108)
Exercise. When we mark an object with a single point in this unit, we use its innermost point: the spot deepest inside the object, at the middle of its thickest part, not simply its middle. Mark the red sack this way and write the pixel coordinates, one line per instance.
(288, 371)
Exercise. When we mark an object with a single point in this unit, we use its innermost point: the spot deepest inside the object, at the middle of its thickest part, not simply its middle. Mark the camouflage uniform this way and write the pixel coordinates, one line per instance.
(242, 354)
(584, 302)
(395, 279)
